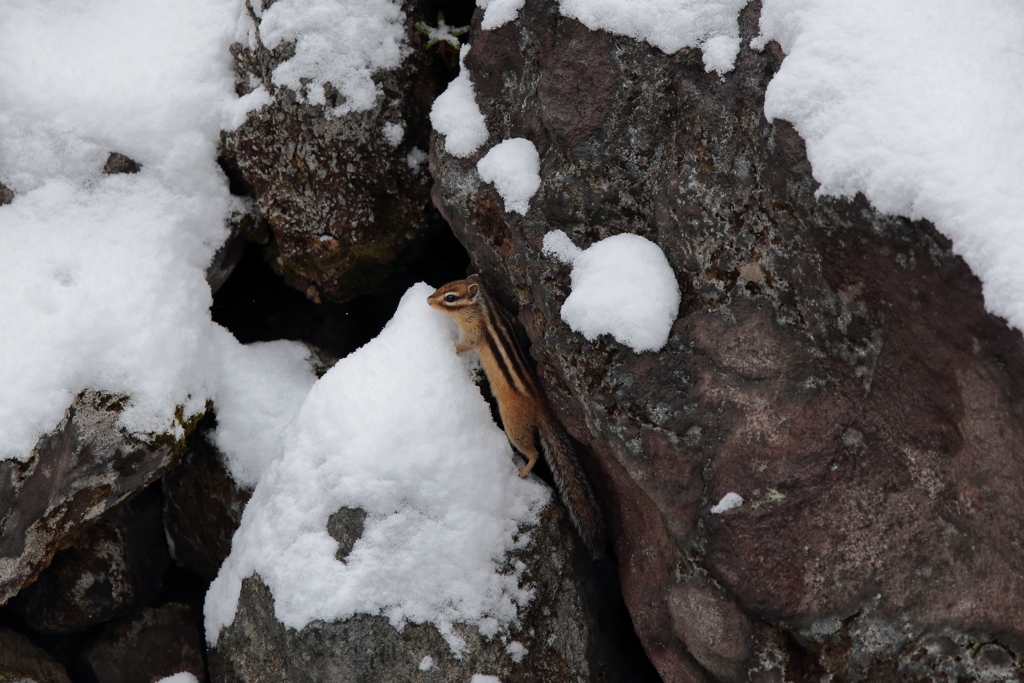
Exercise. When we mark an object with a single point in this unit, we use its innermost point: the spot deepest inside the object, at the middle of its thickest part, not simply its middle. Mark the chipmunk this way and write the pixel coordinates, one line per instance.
(531, 427)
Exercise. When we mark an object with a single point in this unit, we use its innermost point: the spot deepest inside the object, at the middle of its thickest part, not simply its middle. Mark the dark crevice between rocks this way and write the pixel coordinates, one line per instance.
(256, 305)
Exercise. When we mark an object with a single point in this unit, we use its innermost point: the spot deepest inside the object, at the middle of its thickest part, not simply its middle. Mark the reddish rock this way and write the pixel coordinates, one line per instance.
(833, 365)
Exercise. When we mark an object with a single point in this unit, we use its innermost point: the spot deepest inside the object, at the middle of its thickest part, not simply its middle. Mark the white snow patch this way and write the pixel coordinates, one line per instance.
(427, 663)
(183, 677)
(918, 104)
(393, 133)
(728, 502)
(516, 651)
(398, 429)
(481, 678)
(622, 286)
(455, 114)
(514, 167)
(669, 25)
(414, 159)
(260, 388)
(498, 12)
(341, 42)
(104, 276)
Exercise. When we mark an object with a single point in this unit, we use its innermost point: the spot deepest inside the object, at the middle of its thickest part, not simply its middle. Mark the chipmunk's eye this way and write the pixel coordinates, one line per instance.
(450, 297)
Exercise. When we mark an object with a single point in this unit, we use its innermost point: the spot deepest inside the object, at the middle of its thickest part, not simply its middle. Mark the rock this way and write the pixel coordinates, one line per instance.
(113, 565)
(23, 662)
(560, 635)
(119, 163)
(6, 195)
(84, 467)
(832, 365)
(154, 644)
(345, 205)
(202, 505)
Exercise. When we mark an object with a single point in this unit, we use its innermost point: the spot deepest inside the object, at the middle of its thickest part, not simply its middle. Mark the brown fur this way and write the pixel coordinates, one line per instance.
(532, 428)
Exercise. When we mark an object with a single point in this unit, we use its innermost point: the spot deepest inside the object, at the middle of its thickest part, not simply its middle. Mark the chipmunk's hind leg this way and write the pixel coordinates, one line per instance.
(525, 442)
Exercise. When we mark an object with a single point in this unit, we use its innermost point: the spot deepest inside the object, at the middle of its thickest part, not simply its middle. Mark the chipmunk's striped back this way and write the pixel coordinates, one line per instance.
(486, 327)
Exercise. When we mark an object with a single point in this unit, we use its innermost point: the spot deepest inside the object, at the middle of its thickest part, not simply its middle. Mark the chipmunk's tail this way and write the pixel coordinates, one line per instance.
(573, 486)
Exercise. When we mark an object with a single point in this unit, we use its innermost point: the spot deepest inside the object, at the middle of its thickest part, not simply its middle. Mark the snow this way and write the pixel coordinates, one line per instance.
(481, 678)
(499, 12)
(669, 25)
(455, 114)
(516, 651)
(514, 168)
(393, 133)
(104, 275)
(414, 160)
(260, 389)
(179, 678)
(341, 42)
(399, 430)
(919, 105)
(427, 663)
(622, 285)
(728, 502)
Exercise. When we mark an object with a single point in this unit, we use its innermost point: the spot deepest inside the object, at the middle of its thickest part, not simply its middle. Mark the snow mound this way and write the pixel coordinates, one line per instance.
(514, 168)
(918, 104)
(456, 116)
(669, 25)
(622, 286)
(341, 42)
(179, 678)
(399, 430)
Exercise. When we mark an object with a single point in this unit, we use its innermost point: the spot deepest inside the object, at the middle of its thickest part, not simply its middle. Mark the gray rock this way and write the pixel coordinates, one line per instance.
(344, 205)
(833, 365)
(23, 662)
(119, 163)
(152, 645)
(558, 637)
(84, 467)
(113, 565)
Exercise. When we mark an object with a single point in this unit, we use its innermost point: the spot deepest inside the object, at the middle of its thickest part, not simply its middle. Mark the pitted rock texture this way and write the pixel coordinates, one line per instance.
(345, 205)
(832, 365)
(113, 565)
(561, 637)
(87, 465)
(202, 504)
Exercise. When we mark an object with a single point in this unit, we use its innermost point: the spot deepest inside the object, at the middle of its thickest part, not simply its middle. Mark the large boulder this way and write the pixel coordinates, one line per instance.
(564, 635)
(87, 465)
(345, 194)
(832, 365)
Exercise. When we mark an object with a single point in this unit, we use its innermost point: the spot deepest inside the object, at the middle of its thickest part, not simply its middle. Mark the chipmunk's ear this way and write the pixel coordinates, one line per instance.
(474, 290)
(473, 278)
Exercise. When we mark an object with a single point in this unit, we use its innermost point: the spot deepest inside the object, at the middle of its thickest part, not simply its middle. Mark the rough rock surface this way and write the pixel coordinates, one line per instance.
(152, 645)
(84, 467)
(23, 662)
(113, 565)
(832, 365)
(202, 505)
(345, 206)
(559, 635)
